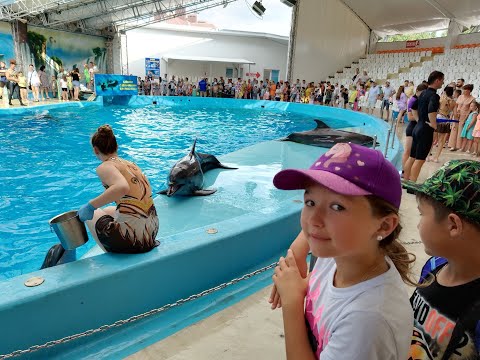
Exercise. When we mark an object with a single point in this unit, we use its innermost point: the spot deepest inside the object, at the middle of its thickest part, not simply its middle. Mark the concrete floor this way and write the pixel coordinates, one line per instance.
(249, 329)
(16, 103)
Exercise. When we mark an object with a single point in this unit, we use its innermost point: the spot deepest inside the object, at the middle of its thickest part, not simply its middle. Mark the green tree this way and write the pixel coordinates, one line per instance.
(38, 46)
(99, 53)
(57, 60)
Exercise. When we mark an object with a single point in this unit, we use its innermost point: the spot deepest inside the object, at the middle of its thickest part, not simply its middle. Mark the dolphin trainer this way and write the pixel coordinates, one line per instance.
(324, 136)
(187, 175)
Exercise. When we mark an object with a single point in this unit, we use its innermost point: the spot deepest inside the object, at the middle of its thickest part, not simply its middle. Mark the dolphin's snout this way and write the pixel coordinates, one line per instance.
(172, 189)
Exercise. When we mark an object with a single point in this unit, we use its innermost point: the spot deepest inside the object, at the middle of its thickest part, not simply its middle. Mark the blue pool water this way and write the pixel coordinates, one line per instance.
(48, 167)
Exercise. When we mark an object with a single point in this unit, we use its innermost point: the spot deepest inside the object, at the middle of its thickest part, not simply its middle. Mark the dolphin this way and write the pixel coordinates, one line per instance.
(324, 136)
(57, 255)
(112, 84)
(187, 175)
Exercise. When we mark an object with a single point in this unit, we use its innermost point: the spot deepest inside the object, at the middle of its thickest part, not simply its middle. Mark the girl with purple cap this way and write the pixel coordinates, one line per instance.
(353, 305)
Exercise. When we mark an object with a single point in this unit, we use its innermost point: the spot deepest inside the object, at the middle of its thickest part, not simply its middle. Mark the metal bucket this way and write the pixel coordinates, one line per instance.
(69, 229)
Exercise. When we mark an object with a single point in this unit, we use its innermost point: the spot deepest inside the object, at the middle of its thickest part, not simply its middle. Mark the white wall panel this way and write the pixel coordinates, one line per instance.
(266, 53)
(329, 36)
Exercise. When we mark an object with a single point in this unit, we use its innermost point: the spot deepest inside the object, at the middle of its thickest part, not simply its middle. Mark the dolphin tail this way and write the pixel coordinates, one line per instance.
(221, 166)
(57, 255)
(321, 124)
(192, 152)
(204, 192)
(210, 162)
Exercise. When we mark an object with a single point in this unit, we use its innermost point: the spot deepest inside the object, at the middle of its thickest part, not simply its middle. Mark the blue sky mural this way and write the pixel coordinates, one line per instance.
(6, 42)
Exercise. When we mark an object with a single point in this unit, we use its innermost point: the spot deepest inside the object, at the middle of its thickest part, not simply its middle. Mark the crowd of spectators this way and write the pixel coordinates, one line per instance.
(62, 84)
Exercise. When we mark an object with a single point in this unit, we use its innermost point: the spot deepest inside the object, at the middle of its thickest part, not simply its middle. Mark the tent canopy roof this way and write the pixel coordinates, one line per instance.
(385, 17)
(388, 17)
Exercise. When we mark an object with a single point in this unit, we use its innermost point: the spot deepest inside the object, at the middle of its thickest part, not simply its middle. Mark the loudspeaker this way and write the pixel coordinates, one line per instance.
(290, 3)
(258, 8)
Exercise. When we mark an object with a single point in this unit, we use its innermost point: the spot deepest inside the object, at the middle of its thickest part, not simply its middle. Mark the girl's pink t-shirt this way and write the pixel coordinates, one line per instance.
(477, 125)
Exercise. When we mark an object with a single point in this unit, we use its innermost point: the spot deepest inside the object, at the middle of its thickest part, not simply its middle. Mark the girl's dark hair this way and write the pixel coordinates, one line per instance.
(105, 140)
(401, 90)
(468, 87)
(422, 87)
(448, 91)
(401, 258)
(476, 104)
(42, 67)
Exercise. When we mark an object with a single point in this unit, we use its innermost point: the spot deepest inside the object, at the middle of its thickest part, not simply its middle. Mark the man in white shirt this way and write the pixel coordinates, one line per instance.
(336, 95)
(373, 96)
(388, 92)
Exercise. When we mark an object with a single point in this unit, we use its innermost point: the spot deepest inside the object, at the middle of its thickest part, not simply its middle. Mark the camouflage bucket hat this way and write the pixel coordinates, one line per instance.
(455, 185)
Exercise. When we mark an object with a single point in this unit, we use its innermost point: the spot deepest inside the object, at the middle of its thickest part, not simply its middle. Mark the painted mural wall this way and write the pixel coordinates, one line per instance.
(7, 50)
(60, 49)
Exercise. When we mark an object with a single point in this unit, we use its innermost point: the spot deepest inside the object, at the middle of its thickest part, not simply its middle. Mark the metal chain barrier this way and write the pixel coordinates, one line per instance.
(136, 317)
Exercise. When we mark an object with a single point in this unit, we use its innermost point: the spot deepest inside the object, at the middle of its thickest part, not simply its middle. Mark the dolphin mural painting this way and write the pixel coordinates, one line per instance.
(187, 175)
(324, 136)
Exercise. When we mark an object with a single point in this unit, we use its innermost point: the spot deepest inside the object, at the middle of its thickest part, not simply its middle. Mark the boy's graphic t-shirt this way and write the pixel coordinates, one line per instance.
(368, 321)
(436, 309)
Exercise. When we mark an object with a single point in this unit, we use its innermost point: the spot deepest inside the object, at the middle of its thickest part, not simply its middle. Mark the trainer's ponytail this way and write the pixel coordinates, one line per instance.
(401, 258)
(105, 140)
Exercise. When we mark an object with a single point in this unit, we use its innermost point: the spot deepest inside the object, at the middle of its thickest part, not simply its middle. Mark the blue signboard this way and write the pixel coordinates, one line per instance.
(115, 85)
(152, 67)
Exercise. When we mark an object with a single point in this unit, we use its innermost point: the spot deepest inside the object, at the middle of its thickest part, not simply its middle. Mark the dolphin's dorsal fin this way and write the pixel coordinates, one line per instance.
(321, 124)
(192, 152)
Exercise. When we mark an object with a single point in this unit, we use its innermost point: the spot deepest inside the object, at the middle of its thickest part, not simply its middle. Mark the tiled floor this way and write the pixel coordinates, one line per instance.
(249, 329)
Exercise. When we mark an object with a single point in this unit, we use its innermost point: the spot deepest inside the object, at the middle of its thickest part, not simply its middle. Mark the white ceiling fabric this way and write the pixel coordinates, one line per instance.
(387, 17)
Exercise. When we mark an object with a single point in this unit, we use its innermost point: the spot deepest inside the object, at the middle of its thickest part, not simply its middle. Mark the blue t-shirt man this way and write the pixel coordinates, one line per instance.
(202, 85)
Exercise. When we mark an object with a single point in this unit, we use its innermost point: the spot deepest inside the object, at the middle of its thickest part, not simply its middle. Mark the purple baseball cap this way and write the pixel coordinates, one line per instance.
(348, 169)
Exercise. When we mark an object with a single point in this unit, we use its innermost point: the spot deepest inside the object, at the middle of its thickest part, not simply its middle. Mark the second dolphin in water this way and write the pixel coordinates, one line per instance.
(324, 136)
(187, 176)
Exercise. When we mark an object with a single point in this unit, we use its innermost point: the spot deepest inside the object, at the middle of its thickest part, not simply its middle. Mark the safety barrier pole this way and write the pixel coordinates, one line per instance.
(394, 133)
(386, 144)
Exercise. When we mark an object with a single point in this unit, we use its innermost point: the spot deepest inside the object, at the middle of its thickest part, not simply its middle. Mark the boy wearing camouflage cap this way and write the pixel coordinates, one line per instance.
(447, 310)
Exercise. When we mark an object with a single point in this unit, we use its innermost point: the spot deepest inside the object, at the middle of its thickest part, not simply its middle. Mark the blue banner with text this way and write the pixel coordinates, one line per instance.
(115, 85)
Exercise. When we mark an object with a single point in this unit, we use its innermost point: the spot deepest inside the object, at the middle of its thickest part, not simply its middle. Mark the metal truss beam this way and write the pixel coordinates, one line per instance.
(147, 19)
(106, 17)
(18, 9)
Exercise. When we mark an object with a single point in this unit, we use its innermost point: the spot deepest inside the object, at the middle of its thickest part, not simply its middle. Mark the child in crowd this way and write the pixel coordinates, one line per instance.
(447, 307)
(22, 84)
(353, 98)
(194, 90)
(70, 86)
(328, 95)
(356, 305)
(54, 86)
(467, 131)
(476, 137)
(266, 95)
(293, 93)
(64, 87)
